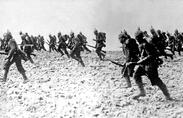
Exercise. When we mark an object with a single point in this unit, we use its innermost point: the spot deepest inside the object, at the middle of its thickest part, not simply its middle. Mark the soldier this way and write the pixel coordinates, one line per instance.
(26, 40)
(70, 41)
(41, 42)
(171, 43)
(28, 49)
(148, 65)
(2, 44)
(34, 41)
(161, 45)
(100, 43)
(178, 41)
(76, 49)
(84, 41)
(62, 44)
(52, 43)
(131, 52)
(14, 56)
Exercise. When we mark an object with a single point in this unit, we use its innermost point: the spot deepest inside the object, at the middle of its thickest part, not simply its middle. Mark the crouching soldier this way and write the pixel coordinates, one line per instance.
(14, 56)
(148, 65)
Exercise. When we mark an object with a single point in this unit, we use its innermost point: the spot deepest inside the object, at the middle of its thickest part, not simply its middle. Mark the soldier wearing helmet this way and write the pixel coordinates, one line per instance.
(131, 52)
(148, 65)
(14, 56)
(100, 43)
(178, 41)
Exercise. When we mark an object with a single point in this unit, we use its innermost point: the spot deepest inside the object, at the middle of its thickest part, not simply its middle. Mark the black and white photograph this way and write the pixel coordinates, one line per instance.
(91, 59)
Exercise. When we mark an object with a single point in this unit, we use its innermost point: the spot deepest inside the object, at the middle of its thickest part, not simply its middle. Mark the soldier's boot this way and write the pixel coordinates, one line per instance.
(142, 91)
(128, 82)
(82, 63)
(165, 91)
(100, 56)
(31, 60)
(179, 53)
(25, 78)
(5, 76)
(67, 53)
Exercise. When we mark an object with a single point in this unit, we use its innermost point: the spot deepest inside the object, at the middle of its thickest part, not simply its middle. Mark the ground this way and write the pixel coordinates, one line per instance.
(61, 88)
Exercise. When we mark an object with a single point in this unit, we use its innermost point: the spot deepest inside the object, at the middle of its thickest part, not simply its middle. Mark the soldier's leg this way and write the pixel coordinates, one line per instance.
(65, 51)
(49, 48)
(43, 47)
(21, 69)
(155, 80)
(138, 79)
(164, 89)
(78, 55)
(179, 49)
(55, 49)
(59, 50)
(124, 73)
(30, 58)
(98, 53)
(6, 70)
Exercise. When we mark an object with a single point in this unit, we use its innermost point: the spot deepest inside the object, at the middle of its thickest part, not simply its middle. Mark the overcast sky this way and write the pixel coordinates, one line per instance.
(111, 16)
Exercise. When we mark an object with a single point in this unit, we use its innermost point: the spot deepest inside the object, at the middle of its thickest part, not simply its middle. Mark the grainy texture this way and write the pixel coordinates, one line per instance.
(61, 88)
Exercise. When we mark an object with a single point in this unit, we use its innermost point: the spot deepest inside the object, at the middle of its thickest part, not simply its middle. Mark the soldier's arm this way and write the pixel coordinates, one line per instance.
(10, 54)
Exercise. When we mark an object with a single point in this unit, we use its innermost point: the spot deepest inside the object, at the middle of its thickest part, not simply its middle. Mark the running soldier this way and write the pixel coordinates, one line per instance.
(100, 43)
(14, 56)
(161, 45)
(71, 40)
(178, 41)
(171, 43)
(62, 46)
(41, 43)
(131, 51)
(84, 41)
(26, 46)
(52, 43)
(148, 65)
(76, 49)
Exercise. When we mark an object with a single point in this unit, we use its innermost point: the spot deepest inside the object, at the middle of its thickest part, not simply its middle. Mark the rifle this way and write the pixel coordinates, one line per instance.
(121, 65)
(94, 39)
(95, 48)
(2, 52)
(25, 45)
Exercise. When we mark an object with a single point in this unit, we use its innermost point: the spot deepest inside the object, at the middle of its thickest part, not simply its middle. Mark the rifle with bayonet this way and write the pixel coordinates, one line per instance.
(116, 63)
(95, 48)
(3, 52)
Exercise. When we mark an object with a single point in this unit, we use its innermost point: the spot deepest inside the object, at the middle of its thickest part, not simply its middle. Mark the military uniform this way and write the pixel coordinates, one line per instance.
(62, 45)
(52, 43)
(178, 41)
(76, 49)
(148, 65)
(100, 43)
(84, 41)
(131, 51)
(14, 56)
(41, 43)
(171, 43)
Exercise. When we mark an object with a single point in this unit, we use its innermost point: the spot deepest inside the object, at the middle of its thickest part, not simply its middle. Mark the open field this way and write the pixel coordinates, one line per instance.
(61, 88)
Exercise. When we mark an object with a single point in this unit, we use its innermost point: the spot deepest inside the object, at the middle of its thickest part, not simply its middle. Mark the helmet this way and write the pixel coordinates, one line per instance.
(20, 32)
(59, 33)
(95, 31)
(176, 31)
